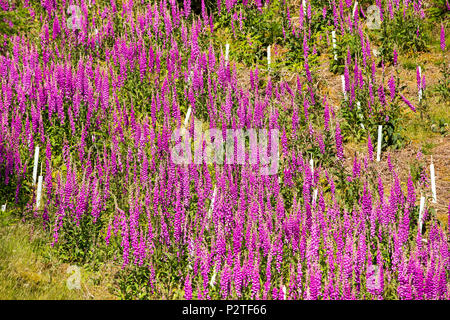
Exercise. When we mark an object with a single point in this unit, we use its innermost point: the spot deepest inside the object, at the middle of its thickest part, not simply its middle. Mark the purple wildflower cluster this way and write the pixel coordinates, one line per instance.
(103, 106)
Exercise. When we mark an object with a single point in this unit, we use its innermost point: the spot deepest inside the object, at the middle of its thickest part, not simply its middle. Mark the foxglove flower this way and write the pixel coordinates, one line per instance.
(187, 288)
(408, 103)
(418, 78)
(370, 148)
(391, 84)
(326, 115)
(381, 95)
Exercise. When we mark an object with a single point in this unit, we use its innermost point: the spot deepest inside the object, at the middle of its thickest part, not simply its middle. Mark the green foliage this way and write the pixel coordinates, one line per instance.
(83, 241)
(359, 123)
(415, 169)
(14, 21)
(80, 243)
(427, 147)
(440, 126)
(260, 28)
(443, 89)
(133, 283)
(443, 86)
(409, 65)
(343, 44)
(392, 136)
(438, 10)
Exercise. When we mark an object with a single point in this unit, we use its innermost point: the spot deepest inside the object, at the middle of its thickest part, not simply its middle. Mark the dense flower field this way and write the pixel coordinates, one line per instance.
(92, 91)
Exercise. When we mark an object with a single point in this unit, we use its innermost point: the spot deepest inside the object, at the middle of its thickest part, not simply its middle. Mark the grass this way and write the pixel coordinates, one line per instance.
(30, 271)
(420, 131)
(409, 65)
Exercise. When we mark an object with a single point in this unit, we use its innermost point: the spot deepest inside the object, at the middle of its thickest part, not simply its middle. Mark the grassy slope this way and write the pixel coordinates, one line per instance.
(29, 268)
